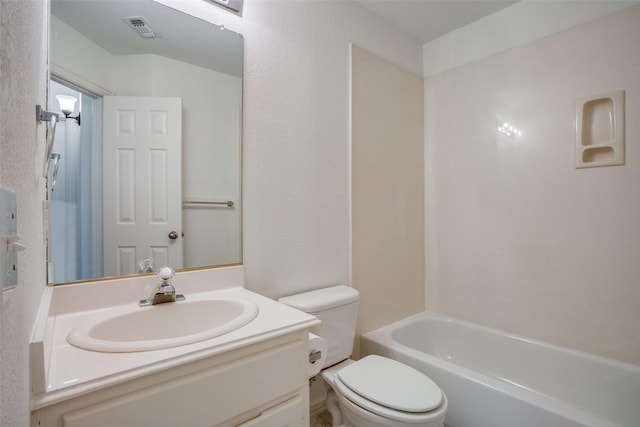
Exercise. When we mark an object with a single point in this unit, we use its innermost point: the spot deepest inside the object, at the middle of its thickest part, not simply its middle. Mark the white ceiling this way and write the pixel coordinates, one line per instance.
(100, 21)
(426, 20)
(181, 36)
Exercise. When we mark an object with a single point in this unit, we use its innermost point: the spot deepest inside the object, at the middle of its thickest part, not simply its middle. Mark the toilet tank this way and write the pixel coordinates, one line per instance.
(337, 308)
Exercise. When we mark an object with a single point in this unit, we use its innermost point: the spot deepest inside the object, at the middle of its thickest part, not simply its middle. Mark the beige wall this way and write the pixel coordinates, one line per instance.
(517, 238)
(387, 193)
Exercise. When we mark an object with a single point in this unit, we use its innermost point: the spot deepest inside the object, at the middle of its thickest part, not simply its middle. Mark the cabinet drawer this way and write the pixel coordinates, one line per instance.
(203, 398)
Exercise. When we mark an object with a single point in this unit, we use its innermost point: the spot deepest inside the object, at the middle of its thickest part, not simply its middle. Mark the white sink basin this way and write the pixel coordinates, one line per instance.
(164, 325)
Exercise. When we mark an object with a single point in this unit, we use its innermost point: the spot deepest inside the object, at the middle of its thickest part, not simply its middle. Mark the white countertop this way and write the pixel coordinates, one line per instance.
(61, 371)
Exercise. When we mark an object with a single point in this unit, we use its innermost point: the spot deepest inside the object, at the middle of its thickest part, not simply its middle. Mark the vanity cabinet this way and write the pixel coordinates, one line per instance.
(262, 384)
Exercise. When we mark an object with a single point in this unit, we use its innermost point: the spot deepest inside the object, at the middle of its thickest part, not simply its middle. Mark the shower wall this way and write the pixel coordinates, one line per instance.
(517, 237)
(387, 192)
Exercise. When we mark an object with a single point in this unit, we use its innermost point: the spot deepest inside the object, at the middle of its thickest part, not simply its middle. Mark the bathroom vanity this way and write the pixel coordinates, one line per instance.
(255, 375)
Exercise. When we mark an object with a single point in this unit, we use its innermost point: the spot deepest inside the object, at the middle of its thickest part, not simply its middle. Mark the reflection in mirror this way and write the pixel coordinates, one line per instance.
(145, 170)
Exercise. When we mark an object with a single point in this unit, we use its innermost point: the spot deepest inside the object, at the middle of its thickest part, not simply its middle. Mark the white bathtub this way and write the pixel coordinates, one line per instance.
(496, 379)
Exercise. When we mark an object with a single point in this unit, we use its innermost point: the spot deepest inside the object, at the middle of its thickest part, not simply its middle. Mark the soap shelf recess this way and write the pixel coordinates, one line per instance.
(600, 130)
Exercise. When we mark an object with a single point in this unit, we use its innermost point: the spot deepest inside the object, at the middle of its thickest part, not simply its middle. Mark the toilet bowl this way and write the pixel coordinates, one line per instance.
(375, 390)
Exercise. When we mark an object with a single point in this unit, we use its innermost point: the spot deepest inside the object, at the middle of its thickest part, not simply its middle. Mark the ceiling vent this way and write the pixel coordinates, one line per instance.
(140, 26)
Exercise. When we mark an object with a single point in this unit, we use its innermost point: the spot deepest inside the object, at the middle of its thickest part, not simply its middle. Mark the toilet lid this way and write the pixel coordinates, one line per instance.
(391, 384)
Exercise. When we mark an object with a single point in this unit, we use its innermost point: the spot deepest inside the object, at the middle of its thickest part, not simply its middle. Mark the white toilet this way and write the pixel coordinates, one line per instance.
(375, 390)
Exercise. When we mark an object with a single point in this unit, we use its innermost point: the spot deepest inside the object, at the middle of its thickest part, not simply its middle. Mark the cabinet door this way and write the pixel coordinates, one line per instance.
(205, 398)
(286, 414)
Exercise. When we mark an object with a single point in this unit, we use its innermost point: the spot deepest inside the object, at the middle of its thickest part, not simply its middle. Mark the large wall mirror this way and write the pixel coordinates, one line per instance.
(146, 163)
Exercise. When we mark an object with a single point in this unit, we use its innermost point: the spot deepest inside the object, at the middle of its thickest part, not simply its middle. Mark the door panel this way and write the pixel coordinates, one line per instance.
(142, 201)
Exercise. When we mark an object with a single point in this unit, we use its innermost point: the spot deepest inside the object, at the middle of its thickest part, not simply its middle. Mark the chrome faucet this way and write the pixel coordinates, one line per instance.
(164, 290)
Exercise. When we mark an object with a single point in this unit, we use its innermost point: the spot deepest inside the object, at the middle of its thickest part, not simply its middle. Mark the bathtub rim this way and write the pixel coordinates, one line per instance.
(433, 314)
(383, 337)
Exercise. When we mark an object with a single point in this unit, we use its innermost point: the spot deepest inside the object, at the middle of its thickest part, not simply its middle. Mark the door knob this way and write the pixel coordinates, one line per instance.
(173, 235)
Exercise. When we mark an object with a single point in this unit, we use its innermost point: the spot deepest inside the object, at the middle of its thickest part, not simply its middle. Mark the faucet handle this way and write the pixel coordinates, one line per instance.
(166, 274)
(164, 291)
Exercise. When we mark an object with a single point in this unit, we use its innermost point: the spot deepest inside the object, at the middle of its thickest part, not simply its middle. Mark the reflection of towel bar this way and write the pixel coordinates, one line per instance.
(228, 203)
(52, 118)
(55, 158)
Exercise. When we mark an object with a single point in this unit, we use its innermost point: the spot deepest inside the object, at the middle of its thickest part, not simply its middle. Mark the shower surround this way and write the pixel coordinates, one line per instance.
(517, 237)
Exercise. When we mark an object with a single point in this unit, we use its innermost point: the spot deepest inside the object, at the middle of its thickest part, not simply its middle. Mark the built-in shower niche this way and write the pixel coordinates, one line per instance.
(600, 130)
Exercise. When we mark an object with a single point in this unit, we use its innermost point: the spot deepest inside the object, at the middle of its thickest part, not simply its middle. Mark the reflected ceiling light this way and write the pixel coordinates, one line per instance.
(507, 129)
(67, 106)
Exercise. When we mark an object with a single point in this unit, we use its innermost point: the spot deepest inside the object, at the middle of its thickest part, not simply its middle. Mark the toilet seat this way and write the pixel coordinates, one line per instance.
(390, 389)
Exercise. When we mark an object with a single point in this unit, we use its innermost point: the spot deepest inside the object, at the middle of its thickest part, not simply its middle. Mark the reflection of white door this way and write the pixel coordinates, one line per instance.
(142, 200)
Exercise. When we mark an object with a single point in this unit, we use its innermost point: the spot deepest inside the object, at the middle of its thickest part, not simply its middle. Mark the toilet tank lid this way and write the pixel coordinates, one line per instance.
(322, 299)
